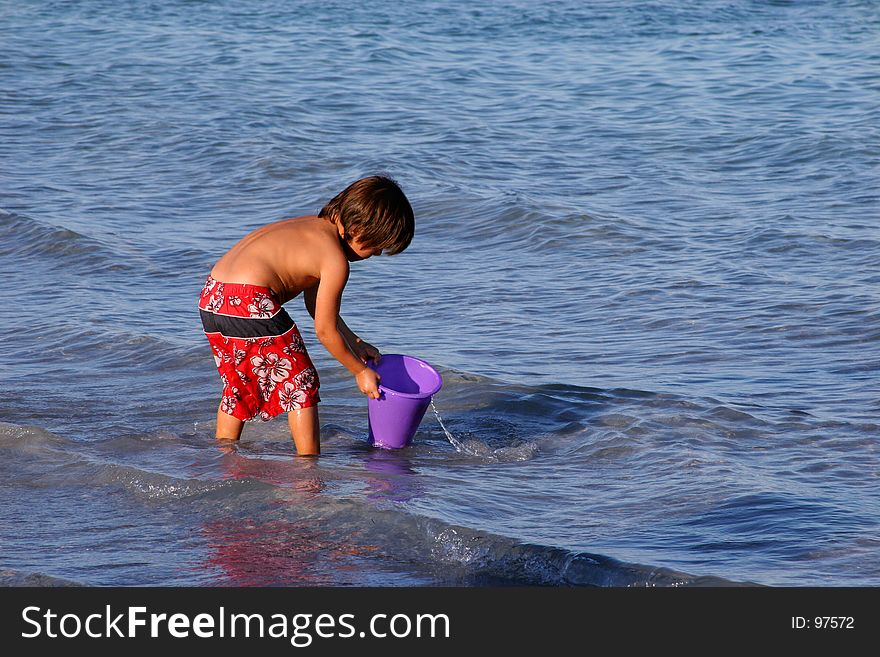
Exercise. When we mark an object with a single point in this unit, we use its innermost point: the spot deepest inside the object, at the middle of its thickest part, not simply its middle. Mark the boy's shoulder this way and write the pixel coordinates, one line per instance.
(313, 242)
(307, 232)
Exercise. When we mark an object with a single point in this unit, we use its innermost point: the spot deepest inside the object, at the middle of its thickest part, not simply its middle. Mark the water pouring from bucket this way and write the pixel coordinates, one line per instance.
(405, 390)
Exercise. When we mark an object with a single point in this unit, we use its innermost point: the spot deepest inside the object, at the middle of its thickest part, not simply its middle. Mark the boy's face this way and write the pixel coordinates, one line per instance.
(355, 250)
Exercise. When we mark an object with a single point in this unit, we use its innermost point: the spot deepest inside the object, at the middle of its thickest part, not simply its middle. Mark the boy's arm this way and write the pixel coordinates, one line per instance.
(363, 350)
(326, 300)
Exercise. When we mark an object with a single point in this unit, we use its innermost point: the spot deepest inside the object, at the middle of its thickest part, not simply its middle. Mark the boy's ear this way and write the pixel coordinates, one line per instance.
(339, 227)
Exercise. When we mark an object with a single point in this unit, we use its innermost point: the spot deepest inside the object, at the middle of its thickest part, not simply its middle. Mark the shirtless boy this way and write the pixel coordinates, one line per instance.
(259, 352)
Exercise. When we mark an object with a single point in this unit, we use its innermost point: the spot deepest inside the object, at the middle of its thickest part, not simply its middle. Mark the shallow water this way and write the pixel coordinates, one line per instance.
(645, 264)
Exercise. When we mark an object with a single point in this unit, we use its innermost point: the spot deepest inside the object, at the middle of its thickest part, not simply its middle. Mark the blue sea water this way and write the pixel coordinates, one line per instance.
(646, 263)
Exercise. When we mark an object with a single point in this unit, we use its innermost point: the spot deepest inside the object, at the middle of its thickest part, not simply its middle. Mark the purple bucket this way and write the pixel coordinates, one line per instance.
(405, 390)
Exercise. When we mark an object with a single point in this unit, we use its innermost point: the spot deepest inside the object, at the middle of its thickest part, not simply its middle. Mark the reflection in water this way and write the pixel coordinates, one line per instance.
(251, 551)
(301, 474)
(392, 477)
(282, 553)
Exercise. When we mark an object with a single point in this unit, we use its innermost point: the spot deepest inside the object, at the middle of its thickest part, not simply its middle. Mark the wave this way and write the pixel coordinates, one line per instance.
(23, 237)
(46, 460)
(10, 577)
(290, 495)
(472, 557)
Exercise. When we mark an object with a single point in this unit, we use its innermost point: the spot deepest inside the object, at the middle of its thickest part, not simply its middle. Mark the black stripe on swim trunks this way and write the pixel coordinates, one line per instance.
(246, 327)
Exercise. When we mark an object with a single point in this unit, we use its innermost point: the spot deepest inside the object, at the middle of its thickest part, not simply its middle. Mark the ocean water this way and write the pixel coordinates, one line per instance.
(646, 263)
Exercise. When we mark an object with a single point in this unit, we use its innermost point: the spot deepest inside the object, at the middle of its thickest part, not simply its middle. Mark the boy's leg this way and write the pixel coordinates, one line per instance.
(305, 430)
(228, 427)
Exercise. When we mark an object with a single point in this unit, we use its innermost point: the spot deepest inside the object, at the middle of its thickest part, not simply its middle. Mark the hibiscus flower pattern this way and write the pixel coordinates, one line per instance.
(209, 285)
(296, 345)
(267, 386)
(229, 401)
(214, 292)
(295, 393)
(216, 302)
(290, 397)
(270, 369)
(272, 366)
(262, 307)
(306, 379)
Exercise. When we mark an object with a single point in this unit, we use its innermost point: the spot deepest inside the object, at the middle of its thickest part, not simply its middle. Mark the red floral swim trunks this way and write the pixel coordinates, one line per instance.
(259, 352)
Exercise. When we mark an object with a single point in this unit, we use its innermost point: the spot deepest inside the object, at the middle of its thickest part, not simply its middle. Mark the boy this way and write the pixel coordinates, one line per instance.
(262, 360)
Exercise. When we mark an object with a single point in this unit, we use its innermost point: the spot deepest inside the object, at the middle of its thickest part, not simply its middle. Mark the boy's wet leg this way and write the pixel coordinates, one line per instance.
(228, 427)
(305, 430)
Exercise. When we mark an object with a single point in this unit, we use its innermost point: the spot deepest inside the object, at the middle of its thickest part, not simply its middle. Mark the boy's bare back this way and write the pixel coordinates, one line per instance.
(287, 256)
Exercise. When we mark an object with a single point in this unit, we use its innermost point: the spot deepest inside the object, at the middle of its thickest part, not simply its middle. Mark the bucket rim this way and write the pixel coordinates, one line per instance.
(412, 395)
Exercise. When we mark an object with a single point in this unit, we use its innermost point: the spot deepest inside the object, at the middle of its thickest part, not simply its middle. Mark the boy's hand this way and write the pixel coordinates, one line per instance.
(365, 351)
(368, 383)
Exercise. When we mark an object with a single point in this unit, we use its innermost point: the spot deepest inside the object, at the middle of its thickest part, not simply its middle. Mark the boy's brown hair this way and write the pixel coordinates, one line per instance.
(374, 210)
